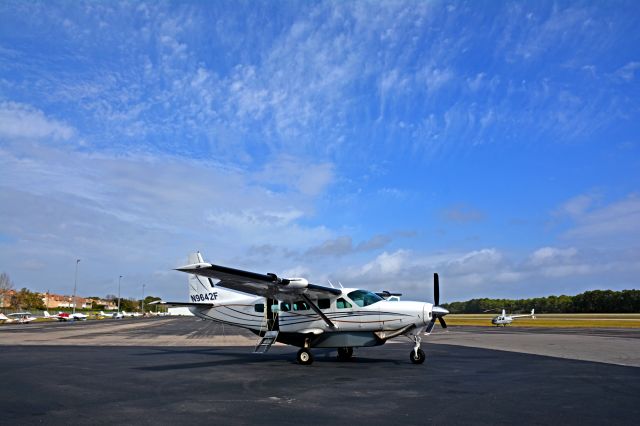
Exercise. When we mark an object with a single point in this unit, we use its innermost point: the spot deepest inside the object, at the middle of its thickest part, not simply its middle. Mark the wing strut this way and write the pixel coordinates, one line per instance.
(318, 311)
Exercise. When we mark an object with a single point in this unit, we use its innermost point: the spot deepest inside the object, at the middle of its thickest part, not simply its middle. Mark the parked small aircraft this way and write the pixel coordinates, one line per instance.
(21, 317)
(503, 319)
(296, 312)
(114, 315)
(66, 316)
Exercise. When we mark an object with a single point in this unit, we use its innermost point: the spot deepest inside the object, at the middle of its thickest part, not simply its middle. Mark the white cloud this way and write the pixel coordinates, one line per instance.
(386, 263)
(343, 245)
(577, 206)
(462, 214)
(20, 121)
(628, 71)
(551, 254)
(615, 223)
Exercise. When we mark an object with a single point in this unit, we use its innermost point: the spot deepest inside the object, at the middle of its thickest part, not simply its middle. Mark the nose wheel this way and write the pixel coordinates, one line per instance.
(417, 355)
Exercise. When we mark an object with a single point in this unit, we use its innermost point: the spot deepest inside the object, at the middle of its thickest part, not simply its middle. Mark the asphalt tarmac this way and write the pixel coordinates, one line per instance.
(89, 384)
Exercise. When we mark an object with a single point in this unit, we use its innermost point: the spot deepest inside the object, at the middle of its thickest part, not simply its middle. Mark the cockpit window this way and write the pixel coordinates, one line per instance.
(364, 298)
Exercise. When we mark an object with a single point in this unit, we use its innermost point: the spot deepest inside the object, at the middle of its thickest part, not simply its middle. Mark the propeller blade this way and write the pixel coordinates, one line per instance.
(430, 326)
(436, 289)
(442, 323)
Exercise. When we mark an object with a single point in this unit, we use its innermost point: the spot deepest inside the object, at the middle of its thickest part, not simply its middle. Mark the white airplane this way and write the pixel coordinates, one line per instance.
(21, 317)
(131, 314)
(65, 316)
(114, 315)
(296, 312)
(503, 319)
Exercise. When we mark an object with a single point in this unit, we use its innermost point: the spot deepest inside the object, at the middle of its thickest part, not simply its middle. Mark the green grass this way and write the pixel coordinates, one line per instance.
(552, 320)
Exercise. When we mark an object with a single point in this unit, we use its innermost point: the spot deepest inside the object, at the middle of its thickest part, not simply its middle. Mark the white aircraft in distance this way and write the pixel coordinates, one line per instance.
(65, 316)
(131, 314)
(21, 317)
(114, 315)
(503, 319)
(296, 312)
(4, 318)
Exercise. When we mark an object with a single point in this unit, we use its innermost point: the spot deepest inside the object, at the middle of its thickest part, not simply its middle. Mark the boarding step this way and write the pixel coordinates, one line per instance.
(267, 340)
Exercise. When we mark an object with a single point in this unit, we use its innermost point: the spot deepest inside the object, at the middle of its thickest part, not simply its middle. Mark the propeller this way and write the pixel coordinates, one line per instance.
(437, 312)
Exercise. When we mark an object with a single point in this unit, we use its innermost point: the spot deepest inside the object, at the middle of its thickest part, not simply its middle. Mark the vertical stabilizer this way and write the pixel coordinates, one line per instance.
(204, 289)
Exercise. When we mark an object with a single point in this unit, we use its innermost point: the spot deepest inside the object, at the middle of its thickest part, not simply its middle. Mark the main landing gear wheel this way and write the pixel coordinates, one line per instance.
(417, 357)
(345, 354)
(305, 357)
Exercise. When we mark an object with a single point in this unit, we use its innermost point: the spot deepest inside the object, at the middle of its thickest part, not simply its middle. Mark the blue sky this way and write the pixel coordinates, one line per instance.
(371, 143)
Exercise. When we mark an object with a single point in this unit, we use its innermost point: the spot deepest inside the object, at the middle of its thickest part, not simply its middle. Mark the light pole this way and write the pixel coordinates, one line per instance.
(119, 278)
(143, 286)
(75, 286)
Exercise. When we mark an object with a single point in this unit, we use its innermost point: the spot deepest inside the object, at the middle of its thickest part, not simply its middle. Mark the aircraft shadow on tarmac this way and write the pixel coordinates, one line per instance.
(226, 357)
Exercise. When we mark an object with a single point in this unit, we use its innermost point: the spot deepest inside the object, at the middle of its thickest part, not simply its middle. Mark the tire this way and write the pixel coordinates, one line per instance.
(305, 357)
(345, 354)
(419, 359)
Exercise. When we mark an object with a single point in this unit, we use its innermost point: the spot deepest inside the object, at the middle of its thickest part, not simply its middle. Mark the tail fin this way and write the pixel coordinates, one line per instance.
(204, 290)
(47, 314)
(533, 315)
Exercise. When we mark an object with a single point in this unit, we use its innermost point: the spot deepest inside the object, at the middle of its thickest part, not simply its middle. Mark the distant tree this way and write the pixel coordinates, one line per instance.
(595, 301)
(129, 305)
(5, 287)
(148, 300)
(25, 299)
(97, 306)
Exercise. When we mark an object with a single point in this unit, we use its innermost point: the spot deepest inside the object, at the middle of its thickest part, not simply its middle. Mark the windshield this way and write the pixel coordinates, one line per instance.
(364, 298)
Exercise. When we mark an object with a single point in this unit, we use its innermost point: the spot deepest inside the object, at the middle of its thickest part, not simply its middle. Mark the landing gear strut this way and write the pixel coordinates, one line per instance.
(345, 354)
(417, 355)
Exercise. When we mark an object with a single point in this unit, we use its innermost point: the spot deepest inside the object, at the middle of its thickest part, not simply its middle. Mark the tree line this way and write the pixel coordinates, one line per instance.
(595, 301)
(27, 299)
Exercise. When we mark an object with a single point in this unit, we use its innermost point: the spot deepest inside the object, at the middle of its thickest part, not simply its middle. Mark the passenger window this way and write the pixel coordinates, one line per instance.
(259, 307)
(324, 303)
(342, 304)
(300, 306)
(285, 307)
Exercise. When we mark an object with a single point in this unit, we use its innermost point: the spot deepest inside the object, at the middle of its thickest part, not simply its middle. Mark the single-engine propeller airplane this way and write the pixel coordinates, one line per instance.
(21, 317)
(296, 312)
(503, 319)
(65, 316)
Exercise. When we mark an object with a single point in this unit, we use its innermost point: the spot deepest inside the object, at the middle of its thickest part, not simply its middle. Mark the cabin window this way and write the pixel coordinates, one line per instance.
(300, 306)
(364, 298)
(324, 303)
(259, 307)
(342, 304)
(285, 307)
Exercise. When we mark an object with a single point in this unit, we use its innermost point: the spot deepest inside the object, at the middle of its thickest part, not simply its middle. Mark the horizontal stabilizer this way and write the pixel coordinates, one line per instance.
(187, 304)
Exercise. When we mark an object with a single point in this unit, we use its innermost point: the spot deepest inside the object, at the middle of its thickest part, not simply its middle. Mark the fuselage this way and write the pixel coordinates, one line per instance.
(355, 314)
(502, 320)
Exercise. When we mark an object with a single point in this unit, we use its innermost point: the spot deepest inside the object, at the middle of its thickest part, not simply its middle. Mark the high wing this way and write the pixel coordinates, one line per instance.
(265, 285)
